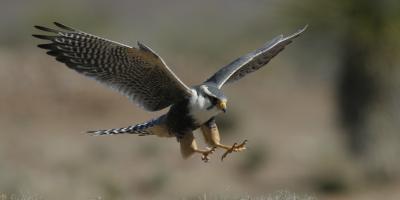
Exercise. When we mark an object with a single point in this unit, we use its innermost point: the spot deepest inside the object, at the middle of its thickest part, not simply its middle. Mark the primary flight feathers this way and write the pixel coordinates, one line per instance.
(138, 73)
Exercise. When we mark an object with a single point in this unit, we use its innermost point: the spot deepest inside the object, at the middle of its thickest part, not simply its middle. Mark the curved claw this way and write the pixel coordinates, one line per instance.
(205, 155)
(228, 151)
(240, 147)
(235, 148)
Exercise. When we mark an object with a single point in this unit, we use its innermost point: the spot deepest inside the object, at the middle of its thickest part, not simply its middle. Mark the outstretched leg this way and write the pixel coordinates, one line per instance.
(189, 146)
(211, 135)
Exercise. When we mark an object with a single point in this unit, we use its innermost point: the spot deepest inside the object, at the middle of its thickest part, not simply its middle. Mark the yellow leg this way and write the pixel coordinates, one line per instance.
(189, 146)
(212, 137)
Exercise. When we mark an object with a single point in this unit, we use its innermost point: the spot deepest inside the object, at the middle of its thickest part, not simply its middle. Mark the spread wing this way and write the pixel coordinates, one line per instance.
(138, 73)
(252, 61)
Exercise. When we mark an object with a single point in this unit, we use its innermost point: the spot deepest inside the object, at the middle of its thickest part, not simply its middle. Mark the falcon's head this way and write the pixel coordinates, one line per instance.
(215, 96)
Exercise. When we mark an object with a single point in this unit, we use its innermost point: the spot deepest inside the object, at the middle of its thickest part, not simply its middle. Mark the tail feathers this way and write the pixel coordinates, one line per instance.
(139, 129)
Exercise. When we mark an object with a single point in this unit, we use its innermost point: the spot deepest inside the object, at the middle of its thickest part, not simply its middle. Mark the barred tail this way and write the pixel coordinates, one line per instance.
(139, 129)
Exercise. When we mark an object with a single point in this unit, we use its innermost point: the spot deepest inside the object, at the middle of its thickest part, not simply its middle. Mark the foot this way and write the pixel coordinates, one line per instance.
(235, 148)
(205, 154)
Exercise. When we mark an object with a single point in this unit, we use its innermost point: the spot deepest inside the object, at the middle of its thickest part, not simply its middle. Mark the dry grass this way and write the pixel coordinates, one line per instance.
(279, 195)
(20, 196)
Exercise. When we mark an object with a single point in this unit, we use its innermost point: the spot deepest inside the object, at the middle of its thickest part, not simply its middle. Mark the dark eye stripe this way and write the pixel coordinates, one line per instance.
(213, 101)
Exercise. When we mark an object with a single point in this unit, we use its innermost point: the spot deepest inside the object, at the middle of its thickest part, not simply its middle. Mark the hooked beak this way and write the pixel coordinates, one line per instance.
(222, 106)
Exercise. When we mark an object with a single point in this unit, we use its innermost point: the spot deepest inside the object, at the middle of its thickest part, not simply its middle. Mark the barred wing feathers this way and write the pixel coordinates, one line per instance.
(138, 73)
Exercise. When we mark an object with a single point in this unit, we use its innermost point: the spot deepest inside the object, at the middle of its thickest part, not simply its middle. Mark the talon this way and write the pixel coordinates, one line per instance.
(205, 155)
(241, 146)
(235, 148)
(228, 151)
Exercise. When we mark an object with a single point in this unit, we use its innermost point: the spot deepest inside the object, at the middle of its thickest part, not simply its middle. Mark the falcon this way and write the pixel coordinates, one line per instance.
(142, 75)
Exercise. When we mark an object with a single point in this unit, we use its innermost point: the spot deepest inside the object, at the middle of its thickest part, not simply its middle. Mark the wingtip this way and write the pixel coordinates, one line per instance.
(304, 28)
(63, 26)
(43, 37)
(58, 24)
(298, 33)
(42, 28)
(46, 46)
(53, 53)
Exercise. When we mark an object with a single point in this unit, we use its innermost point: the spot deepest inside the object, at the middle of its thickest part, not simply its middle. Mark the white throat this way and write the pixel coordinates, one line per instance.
(198, 108)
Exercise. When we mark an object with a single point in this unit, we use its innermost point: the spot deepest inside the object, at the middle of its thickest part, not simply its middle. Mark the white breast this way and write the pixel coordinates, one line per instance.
(198, 108)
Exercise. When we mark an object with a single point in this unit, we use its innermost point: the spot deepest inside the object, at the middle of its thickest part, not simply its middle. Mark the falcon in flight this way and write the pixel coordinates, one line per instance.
(142, 75)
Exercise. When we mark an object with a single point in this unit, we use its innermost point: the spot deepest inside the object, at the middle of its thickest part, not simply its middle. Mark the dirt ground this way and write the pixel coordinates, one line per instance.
(294, 142)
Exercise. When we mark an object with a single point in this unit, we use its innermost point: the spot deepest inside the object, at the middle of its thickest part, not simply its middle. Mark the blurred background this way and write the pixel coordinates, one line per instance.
(323, 118)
